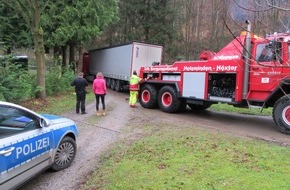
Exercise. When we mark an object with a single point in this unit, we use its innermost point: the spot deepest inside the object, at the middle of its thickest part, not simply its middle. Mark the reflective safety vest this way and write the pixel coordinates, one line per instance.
(134, 83)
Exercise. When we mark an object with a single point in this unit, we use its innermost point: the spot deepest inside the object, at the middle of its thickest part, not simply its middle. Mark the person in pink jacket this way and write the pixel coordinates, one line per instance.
(100, 90)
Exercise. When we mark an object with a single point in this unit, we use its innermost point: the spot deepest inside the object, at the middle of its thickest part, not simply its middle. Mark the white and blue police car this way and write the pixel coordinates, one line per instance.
(31, 143)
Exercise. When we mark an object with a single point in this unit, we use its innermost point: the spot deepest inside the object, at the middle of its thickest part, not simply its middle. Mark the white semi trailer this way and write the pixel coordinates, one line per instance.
(117, 63)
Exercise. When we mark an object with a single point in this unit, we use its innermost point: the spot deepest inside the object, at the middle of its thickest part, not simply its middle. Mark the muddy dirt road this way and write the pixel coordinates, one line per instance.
(96, 134)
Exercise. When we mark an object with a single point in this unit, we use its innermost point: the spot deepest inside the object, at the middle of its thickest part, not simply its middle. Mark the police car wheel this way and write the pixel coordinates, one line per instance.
(65, 154)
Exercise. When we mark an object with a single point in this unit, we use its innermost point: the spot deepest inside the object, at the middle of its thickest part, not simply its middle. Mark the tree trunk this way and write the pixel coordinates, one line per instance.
(63, 51)
(72, 56)
(80, 61)
(39, 52)
(40, 64)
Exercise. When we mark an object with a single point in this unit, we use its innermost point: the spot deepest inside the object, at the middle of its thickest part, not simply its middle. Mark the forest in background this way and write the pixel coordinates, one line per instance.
(183, 27)
(66, 29)
(186, 27)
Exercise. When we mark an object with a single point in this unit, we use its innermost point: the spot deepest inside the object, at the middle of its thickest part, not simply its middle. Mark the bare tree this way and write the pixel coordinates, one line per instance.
(277, 4)
(267, 15)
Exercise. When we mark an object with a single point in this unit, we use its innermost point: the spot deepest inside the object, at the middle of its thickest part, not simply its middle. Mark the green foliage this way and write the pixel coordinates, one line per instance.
(14, 31)
(149, 21)
(15, 82)
(57, 80)
(77, 21)
(146, 21)
(184, 158)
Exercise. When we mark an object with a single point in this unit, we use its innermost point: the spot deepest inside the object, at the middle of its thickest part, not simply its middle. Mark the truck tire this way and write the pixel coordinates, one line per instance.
(113, 83)
(108, 82)
(118, 85)
(281, 114)
(196, 107)
(148, 96)
(168, 100)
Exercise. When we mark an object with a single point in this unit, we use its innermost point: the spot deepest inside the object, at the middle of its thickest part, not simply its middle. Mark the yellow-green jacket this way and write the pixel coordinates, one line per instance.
(134, 83)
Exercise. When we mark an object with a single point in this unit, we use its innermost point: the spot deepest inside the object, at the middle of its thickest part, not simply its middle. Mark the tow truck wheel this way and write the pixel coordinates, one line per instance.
(65, 154)
(148, 98)
(281, 114)
(168, 100)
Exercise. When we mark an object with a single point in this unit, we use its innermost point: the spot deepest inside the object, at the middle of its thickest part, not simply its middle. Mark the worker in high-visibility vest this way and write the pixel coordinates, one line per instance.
(134, 89)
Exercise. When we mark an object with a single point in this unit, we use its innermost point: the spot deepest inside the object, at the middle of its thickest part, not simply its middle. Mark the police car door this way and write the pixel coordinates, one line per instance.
(24, 146)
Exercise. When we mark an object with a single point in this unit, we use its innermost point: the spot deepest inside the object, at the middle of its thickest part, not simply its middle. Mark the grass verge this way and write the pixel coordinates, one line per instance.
(186, 158)
(252, 111)
(57, 104)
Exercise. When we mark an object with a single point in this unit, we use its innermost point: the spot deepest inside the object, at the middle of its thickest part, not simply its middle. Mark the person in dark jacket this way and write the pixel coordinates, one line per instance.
(80, 84)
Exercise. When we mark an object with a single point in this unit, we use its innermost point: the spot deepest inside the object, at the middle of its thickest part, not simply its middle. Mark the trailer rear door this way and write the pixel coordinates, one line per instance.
(145, 55)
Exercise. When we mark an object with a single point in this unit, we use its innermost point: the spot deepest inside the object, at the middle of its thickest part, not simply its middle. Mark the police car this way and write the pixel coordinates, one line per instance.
(31, 142)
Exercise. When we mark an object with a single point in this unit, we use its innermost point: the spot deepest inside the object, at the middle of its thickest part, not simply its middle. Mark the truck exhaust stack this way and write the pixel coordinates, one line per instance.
(247, 50)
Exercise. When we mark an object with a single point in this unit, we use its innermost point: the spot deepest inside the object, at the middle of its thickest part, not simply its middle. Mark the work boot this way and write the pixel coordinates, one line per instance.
(104, 113)
(98, 113)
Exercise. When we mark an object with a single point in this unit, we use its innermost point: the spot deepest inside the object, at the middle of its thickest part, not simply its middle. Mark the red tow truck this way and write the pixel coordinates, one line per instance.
(249, 72)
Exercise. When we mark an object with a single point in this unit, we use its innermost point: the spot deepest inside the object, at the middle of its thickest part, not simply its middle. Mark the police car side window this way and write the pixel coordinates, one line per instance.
(14, 121)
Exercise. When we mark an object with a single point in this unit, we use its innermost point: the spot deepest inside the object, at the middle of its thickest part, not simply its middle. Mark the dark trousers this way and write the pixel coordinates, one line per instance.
(98, 96)
(81, 100)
